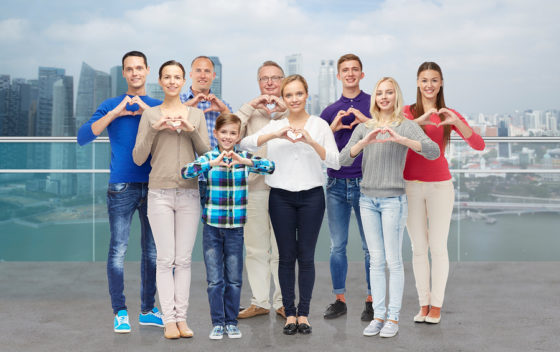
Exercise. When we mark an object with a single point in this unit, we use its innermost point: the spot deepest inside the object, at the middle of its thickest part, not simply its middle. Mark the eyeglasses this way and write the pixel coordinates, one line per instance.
(273, 78)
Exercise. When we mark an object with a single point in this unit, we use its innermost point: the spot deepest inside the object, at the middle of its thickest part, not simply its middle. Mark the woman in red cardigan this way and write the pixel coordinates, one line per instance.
(430, 190)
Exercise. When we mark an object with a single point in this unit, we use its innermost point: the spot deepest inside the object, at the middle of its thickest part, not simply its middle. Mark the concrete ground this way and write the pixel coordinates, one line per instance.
(498, 306)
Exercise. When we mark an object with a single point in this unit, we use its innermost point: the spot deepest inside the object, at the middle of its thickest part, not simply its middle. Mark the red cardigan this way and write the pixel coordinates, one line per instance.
(418, 168)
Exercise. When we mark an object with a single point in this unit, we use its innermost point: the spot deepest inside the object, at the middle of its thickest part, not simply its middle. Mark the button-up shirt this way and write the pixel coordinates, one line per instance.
(226, 195)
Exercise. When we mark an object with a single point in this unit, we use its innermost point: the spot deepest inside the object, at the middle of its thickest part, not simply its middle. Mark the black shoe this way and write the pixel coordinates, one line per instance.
(304, 329)
(290, 329)
(367, 314)
(334, 310)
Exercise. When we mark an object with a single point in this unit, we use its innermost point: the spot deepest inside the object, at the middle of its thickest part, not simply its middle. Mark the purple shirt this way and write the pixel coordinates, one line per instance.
(360, 102)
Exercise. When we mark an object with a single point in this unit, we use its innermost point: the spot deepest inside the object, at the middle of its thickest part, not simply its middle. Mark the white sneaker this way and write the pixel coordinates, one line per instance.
(390, 329)
(373, 328)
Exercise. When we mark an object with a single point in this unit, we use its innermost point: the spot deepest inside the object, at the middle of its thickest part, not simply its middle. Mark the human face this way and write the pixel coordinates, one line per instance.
(385, 96)
(172, 80)
(270, 86)
(202, 74)
(227, 136)
(295, 96)
(429, 82)
(350, 74)
(135, 72)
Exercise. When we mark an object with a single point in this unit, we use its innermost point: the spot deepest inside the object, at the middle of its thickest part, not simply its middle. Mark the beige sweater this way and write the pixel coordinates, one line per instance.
(170, 150)
(252, 121)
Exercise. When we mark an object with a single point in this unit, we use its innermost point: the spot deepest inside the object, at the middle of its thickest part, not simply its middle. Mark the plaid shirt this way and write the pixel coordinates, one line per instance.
(210, 116)
(226, 204)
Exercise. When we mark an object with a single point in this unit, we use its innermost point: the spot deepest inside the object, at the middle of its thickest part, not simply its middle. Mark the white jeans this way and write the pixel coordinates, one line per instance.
(174, 216)
(261, 251)
(430, 205)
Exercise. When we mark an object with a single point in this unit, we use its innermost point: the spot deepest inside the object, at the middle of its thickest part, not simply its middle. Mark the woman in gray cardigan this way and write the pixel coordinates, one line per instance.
(384, 142)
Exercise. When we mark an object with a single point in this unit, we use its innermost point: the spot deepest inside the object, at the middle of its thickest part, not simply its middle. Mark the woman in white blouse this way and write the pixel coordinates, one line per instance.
(300, 145)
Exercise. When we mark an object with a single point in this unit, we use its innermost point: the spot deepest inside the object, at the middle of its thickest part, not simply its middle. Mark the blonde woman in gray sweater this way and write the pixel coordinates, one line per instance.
(384, 142)
(171, 133)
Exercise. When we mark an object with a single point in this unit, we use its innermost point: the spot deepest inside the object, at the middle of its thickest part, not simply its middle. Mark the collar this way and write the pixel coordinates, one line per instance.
(190, 93)
(357, 98)
(236, 149)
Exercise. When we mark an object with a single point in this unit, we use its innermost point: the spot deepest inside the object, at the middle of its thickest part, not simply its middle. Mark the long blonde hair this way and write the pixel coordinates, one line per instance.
(397, 117)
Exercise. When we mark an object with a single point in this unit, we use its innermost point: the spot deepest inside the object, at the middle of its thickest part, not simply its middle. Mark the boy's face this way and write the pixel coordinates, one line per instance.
(227, 136)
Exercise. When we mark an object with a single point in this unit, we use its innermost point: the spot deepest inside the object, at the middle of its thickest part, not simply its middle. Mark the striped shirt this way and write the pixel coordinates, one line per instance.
(226, 195)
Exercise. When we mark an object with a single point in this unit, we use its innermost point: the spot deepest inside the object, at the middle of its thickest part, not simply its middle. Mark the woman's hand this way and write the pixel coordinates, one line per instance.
(450, 117)
(184, 125)
(165, 122)
(425, 119)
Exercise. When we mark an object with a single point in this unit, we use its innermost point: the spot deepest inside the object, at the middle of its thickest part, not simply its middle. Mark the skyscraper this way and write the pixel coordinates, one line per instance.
(504, 148)
(216, 86)
(47, 77)
(327, 84)
(294, 64)
(118, 83)
(154, 90)
(4, 103)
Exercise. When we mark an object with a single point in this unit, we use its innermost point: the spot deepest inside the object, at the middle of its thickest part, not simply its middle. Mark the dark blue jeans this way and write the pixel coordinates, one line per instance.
(296, 218)
(223, 257)
(343, 195)
(123, 199)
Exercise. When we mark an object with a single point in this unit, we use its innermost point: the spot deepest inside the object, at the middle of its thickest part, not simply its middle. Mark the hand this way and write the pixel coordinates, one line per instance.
(165, 122)
(425, 119)
(450, 117)
(216, 104)
(236, 159)
(141, 105)
(280, 106)
(393, 136)
(221, 160)
(359, 117)
(337, 125)
(184, 124)
(195, 100)
(371, 137)
(120, 110)
(303, 136)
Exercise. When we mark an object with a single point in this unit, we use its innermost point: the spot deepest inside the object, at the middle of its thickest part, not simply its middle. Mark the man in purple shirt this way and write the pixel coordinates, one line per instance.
(343, 186)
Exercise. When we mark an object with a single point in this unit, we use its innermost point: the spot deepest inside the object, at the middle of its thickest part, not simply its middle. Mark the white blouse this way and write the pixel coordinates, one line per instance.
(298, 166)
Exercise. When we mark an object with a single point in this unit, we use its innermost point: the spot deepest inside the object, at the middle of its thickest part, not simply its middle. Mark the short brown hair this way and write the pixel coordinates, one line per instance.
(291, 79)
(269, 63)
(227, 118)
(348, 57)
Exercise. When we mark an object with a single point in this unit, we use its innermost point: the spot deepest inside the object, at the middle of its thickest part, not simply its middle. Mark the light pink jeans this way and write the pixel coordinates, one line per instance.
(430, 205)
(174, 215)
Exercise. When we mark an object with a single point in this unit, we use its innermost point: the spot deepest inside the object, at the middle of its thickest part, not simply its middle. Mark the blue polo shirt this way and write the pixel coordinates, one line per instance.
(122, 136)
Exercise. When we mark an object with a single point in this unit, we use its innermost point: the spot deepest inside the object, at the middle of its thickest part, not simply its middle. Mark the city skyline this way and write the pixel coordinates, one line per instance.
(504, 61)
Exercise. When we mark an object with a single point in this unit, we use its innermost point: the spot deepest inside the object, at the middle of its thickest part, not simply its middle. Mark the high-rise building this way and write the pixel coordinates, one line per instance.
(154, 90)
(327, 84)
(118, 83)
(47, 77)
(4, 103)
(216, 86)
(504, 148)
(294, 64)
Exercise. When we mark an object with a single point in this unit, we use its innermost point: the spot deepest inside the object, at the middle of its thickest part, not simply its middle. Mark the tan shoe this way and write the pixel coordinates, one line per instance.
(281, 312)
(170, 331)
(252, 311)
(184, 329)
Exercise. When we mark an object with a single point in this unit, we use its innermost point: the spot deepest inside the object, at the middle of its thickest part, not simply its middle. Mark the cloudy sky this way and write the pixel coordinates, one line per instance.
(497, 56)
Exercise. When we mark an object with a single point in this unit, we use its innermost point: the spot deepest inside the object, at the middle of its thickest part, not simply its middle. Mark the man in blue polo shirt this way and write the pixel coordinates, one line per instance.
(200, 96)
(343, 185)
(128, 189)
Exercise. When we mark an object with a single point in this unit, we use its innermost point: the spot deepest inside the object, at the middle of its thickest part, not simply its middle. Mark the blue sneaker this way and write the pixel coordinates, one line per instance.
(121, 324)
(217, 333)
(153, 318)
(233, 331)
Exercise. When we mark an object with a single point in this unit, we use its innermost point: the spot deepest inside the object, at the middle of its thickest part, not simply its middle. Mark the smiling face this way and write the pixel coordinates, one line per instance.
(270, 80)
(295, 96)
(350, 74)
(429, 83)
(227, 135)
(135, 72)
(171, 80)
(385, 96)
(202, 74)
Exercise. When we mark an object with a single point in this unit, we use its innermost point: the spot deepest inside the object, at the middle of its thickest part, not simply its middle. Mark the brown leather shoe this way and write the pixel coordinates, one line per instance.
(184, 329)
(281, 312)
(170, 331)
(252, 311)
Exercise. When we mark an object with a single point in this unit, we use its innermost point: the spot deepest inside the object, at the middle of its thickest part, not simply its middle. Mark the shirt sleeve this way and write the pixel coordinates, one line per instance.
(357, 135)
(85, 134)
(261, 166)
(197, 167)
(430, 149)
(250, 142)
(144, 139)
(331, 149)
(475, 141)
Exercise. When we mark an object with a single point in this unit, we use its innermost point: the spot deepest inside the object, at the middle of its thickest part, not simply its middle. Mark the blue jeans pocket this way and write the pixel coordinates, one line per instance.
(115, 188)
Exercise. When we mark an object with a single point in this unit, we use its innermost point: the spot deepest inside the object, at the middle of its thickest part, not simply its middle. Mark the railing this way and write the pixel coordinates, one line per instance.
(53, 207)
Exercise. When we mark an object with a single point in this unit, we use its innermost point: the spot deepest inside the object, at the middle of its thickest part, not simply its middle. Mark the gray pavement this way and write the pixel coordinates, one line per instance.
(498, 306)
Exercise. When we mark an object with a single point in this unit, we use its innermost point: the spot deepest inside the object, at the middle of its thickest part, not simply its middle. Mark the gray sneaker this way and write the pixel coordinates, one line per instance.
(233, 331)
(390, 329)
(373, 328)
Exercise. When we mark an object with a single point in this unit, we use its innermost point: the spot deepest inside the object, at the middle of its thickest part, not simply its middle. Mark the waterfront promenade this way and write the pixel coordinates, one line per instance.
(497, 306)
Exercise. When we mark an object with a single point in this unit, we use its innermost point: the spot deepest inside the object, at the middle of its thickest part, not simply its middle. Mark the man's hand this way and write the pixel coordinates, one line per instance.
(216, 104)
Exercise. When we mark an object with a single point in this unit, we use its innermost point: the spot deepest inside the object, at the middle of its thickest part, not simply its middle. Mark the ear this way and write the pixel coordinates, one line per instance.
(213, 75)
(148, 70)
(362, 75)
(338, 76)
(215, 133)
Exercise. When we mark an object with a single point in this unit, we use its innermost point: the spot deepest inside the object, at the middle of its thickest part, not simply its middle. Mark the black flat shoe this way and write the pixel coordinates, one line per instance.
(290, 329)
(304, 329)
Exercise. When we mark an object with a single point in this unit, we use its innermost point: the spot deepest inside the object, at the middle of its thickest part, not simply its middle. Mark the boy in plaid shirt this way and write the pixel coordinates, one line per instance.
(227, 170)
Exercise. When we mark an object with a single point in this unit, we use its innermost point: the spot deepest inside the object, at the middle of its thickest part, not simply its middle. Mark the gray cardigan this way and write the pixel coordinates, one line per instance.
(383, 163)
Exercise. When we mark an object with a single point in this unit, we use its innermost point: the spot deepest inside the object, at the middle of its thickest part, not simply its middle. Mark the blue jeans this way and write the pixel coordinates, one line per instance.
(343, 194)
(223, 257)
(296, 218)
(123, 199)
(384, 220)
